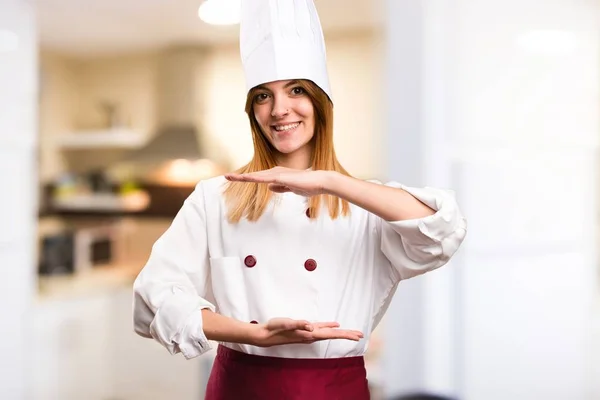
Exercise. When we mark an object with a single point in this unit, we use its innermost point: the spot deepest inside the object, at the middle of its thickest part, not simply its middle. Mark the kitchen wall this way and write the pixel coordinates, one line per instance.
(59, 97)
(73, 90)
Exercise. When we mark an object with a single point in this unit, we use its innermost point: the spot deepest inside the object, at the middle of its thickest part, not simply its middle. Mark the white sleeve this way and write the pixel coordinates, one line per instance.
(170, 291)
(417, 246)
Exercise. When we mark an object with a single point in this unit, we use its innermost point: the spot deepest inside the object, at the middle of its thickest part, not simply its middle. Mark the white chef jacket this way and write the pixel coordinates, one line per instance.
(286, 265)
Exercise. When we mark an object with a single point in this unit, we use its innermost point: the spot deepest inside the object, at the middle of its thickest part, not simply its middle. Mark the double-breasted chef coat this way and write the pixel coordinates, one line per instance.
(286, 265)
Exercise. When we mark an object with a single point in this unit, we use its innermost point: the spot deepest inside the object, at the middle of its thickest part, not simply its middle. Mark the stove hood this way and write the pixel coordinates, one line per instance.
(179, 108)
(179, 136)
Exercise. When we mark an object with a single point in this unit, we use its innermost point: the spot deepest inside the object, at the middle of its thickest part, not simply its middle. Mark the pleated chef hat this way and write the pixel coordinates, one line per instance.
(281, 40)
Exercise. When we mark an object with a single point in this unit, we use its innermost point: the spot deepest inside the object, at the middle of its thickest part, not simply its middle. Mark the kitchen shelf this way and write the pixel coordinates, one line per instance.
(109, 202)
(119, 138)
(165, 202)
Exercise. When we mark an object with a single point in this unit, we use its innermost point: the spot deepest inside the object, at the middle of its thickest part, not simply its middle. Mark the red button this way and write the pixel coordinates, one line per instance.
(308, 213)
(250, 261)
(253, 322)
(310, 264)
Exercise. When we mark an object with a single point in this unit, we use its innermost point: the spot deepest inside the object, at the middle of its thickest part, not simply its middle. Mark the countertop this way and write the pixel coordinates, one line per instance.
(100, 280)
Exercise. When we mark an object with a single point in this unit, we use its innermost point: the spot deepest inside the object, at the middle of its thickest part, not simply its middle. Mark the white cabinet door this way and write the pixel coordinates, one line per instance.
(85, 348)
(71, 341)
(45, 356)
(142, 369)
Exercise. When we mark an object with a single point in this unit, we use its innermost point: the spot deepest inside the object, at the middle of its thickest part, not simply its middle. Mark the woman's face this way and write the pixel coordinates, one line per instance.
(286, 116)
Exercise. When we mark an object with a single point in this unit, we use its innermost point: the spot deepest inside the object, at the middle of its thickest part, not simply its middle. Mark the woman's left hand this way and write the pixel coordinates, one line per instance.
(280, 180)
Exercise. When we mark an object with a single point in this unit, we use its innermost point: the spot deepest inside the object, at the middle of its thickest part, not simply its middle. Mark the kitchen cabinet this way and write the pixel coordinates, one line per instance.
(110, 139)
(84, 347)
(143, 369)
(70, 339)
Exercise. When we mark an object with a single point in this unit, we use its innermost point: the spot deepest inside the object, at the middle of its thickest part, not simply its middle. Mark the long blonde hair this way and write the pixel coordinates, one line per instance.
(250, 200)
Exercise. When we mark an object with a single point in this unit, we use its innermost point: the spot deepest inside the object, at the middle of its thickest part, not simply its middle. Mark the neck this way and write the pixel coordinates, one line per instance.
(300, 159)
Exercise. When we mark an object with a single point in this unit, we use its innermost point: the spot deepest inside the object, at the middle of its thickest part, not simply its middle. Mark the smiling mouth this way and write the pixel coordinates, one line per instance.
(285, 128)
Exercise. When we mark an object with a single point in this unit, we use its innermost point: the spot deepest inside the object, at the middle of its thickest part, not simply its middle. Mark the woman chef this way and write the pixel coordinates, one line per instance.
(289, 263)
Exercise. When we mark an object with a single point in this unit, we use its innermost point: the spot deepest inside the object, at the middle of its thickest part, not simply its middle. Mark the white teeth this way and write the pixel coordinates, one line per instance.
(286, 127)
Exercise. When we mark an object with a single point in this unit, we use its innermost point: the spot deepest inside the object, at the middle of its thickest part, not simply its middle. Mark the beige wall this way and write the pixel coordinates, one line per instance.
(74, 90)
(58, 100)
(130, 82)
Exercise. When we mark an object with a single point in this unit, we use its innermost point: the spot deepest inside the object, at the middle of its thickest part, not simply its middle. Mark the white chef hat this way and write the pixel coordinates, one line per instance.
(281, 40)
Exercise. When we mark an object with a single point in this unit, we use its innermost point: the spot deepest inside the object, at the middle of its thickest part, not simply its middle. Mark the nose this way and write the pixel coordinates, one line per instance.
(280, 108)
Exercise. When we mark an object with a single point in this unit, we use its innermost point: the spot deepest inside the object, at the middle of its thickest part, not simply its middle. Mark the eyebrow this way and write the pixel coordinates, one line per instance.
(287, 85)
(291, 83)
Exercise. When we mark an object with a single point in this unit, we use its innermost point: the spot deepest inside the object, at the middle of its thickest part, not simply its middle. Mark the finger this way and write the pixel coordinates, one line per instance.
(279, 188)
(307, 337)
(269, 174)
(331, 324)
(358, 334)
(292, 325)
(233, 175)
(338, 334)
(251, 178)
(234, 178)
(305, 326)
(237, 177)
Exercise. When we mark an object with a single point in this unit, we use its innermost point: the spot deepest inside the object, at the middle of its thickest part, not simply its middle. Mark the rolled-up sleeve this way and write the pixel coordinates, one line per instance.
(171, 289)
(417, 246)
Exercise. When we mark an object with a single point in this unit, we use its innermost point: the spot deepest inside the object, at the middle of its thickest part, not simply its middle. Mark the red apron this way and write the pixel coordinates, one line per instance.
(241, 376)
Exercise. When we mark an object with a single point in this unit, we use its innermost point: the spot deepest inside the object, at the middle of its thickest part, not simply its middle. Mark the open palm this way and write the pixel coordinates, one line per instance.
(280, 331)
(280, 179)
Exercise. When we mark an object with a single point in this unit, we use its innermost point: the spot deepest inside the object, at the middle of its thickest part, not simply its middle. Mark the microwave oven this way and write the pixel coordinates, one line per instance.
(96, 246)
(82, 249)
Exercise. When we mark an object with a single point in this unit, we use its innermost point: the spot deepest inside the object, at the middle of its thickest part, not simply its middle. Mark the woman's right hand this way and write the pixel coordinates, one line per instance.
(280, 331)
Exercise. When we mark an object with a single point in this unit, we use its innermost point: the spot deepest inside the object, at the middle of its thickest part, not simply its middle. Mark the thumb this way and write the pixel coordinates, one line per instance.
(292, 325)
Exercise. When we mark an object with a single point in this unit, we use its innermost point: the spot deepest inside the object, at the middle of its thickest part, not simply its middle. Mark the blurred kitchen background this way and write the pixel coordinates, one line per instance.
(110, 111)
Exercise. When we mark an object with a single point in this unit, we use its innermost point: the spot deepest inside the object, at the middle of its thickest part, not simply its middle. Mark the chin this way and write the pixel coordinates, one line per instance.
(286, 150)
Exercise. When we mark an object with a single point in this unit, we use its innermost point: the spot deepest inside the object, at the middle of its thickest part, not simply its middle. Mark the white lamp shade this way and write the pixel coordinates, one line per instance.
(220, 12)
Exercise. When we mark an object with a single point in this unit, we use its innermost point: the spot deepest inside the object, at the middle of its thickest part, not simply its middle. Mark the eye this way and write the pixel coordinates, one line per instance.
(261, 97)
(298, 90)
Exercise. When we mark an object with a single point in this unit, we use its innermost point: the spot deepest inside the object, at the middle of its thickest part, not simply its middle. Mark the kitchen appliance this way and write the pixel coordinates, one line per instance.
(95, 246)
(57, 255)
(82, 249)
